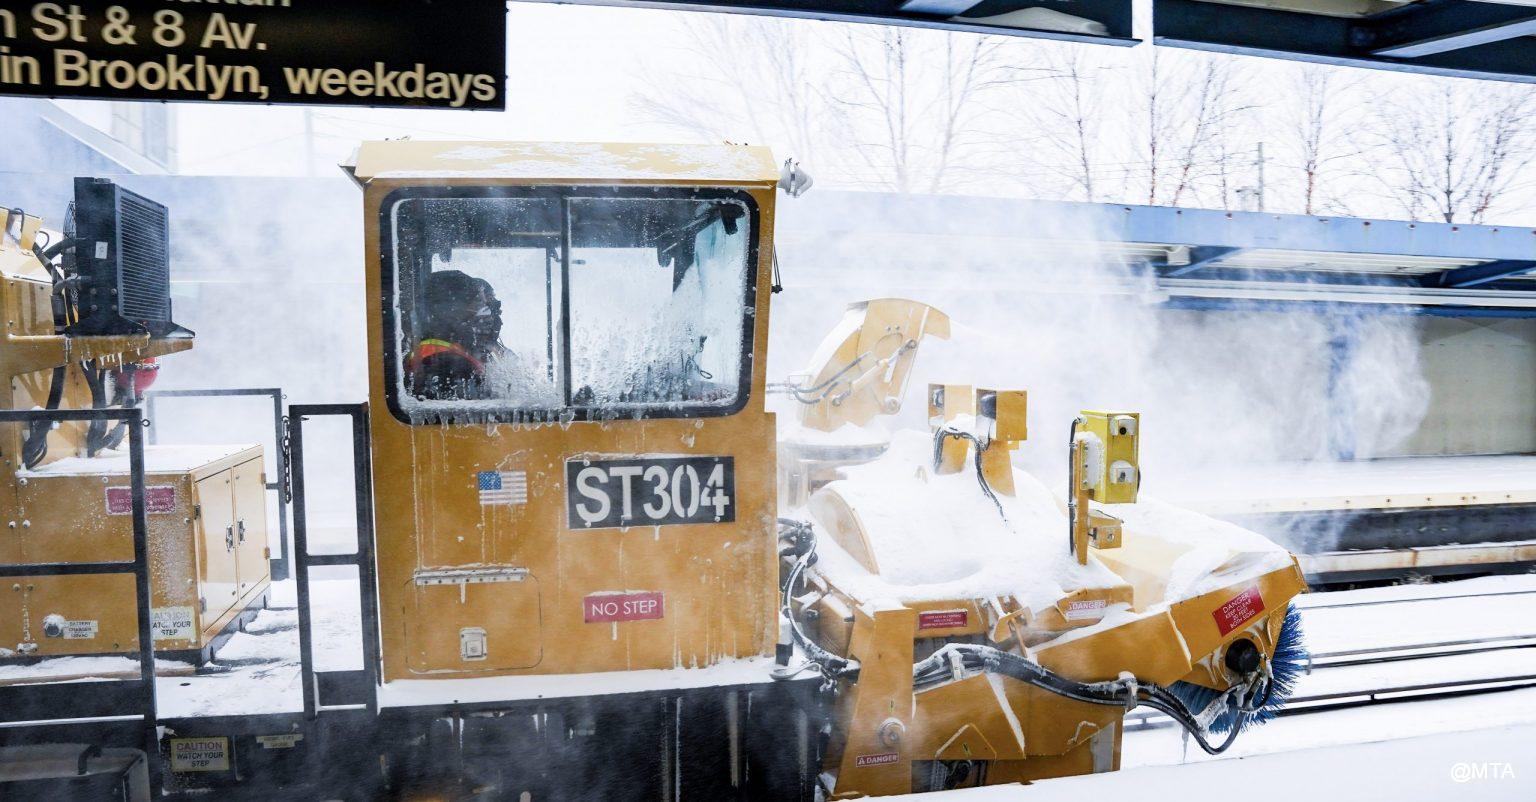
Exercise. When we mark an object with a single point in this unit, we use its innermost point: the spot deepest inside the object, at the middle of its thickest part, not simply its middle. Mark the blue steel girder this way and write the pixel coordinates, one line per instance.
(1439, 37)
(1199, 257)
(1475, 275)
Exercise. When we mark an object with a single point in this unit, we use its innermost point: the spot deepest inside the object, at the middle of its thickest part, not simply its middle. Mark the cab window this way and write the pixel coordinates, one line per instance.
(533, 304)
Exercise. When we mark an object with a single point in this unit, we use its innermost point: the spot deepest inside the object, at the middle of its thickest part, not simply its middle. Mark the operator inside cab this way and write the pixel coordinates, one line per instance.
(460, 338)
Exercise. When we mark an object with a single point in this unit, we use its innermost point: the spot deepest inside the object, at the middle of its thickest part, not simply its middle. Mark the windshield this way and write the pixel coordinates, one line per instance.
(514, 304)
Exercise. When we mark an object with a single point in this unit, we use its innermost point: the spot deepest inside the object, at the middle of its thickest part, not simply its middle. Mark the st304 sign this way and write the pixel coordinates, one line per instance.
(649, 491)
(333, 52)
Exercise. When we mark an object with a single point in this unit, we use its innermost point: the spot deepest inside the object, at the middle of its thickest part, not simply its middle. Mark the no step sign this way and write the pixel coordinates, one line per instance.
(601, 608)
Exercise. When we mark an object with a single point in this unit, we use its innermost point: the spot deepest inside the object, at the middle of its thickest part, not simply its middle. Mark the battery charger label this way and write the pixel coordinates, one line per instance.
(1238, 610)
(200, 754)
(159, 499)
(80, 630)
(649, 491)
(172, 623)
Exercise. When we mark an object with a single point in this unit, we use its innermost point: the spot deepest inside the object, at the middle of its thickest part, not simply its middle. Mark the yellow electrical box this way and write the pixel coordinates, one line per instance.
(946, 401)
(1103, 530)
(1119, 473)
(1003, 414)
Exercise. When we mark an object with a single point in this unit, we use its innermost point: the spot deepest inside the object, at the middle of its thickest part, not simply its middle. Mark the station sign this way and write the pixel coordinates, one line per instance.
(311, 52)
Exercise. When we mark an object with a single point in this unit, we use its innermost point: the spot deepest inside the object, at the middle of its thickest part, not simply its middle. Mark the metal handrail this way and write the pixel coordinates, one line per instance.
(281, 567)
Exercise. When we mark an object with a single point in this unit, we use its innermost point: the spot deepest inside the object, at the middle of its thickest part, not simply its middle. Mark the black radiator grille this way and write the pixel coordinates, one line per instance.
(144, 252)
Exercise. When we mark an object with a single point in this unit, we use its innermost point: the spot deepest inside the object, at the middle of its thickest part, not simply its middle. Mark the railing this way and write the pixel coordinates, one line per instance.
(281, 568)
(336, 689)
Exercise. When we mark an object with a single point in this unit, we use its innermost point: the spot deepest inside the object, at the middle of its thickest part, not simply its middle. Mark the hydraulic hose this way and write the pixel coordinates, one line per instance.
(1126, 692)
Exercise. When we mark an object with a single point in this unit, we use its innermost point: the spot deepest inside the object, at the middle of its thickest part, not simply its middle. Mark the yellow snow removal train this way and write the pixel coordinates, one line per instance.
(595, 566)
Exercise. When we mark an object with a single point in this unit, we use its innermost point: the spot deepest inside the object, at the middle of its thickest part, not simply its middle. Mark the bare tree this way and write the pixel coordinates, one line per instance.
(1192, 106)
(906, 99)
(1451, 151)
(751, 78)
(1314, 134)
(1061, 104)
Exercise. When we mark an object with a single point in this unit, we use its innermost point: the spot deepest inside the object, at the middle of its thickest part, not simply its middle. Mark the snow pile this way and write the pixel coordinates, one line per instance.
(940, 537)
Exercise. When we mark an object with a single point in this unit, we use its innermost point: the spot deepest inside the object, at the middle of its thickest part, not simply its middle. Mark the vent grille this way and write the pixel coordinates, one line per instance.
(144, 252)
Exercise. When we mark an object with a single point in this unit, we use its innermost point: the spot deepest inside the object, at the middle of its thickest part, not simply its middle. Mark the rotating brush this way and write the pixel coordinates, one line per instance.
(1286, 666)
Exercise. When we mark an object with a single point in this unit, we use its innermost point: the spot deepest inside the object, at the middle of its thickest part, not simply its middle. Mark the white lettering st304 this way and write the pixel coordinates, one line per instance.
(650, 491)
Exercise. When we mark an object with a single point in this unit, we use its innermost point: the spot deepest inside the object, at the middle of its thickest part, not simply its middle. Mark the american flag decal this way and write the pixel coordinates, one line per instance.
(502, 487)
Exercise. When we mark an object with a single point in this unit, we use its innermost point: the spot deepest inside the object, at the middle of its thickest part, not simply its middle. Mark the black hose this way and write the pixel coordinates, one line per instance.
(1125, 693)
(981, 478)
(34, 446)
(831, 665)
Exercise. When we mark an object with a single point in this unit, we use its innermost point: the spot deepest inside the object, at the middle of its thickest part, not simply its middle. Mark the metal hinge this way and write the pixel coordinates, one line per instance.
(197, 511)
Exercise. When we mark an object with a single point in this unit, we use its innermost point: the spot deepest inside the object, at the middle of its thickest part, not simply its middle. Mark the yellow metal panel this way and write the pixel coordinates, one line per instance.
(217, 571)
(1120, 433)
(250, 512)
(105, 601)
(568, 162)
(718, 580)
(505, 613)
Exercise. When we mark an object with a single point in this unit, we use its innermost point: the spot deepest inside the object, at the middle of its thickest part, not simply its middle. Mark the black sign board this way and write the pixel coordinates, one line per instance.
(330, 52)
(649, 491)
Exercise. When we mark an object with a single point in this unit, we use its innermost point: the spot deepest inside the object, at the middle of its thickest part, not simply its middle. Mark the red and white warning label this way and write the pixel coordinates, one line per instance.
(1238, 610)
(622, 605)
(157, 499)
(1085, 610)
(876, 760)
(943, 619)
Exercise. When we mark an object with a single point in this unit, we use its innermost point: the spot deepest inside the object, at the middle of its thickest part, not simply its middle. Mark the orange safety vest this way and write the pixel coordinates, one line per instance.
(432, 347)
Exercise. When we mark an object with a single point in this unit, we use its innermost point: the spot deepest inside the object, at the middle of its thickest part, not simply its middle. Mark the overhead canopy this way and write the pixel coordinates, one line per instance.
(1184, 258)
(1465, 38)
(1442, 37)
(1101, 21)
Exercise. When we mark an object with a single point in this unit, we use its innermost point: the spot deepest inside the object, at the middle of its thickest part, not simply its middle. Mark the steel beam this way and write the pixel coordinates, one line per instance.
(1426, 29)
(1344, 41)
(947, 8)
(1114, 15)
(1200, 256)
(1474, 275)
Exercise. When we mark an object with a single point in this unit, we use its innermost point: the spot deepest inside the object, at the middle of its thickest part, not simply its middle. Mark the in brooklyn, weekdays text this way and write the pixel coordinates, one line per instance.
(216, 50)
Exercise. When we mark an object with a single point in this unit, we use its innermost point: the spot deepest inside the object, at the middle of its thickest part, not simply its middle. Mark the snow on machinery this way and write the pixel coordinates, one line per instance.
(596, 580)
(977, 628)
(88, 312)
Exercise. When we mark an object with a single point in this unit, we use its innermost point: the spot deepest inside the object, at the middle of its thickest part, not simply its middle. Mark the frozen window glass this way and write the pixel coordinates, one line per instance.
(649, 312)
(658, 296)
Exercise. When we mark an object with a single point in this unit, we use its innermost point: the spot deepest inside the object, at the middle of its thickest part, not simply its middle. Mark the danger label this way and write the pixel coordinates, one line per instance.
(1084, 610)
(200, 754)
(171, 623)
(626, 606)
(876, 760)
(159, 499)
(943, 619)
(1238, 610)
